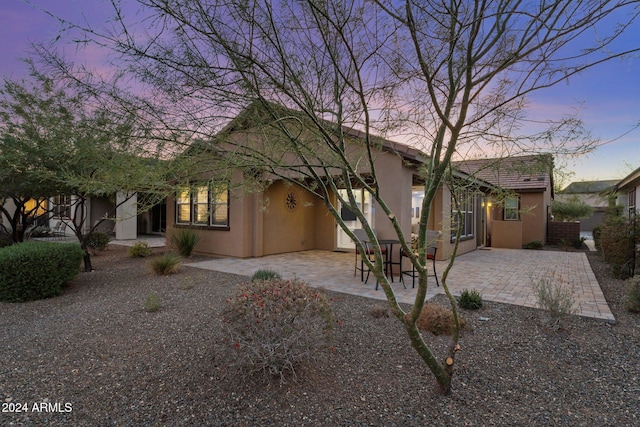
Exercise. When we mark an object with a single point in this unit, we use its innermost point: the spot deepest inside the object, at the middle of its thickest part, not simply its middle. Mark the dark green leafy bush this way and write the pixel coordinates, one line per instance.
(185, 240)
(98, 240)
(276, 324)
(534, 244)
(36, 270)
(471, 300)
(633, 295)
(140, 250)
(616, 244)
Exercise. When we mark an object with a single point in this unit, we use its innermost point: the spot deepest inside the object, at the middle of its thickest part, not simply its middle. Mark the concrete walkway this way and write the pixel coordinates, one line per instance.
(501, 275)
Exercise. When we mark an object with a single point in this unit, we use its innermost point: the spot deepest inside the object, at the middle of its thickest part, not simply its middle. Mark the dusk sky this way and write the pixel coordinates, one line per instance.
(609, 94)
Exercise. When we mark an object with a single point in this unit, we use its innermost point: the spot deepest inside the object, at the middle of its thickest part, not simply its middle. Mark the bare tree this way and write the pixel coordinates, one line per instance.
(453, 76)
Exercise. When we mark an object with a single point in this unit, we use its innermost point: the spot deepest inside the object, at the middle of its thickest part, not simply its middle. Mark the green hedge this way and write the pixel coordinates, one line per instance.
(36, 270)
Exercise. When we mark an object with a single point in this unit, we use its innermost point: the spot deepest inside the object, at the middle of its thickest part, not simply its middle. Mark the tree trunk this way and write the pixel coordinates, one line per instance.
(87, 261)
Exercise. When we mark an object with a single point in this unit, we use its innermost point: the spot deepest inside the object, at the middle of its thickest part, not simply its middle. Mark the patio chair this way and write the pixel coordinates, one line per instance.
(361, 235)
(432, 248)
(59, 231)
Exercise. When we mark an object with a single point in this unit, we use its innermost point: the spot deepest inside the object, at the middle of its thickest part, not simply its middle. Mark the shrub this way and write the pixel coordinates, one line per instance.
(276, 324)
(616, 244)
(98, 240)
(534, 244)
(556, 298)
(471, 300)
(140, 250)
(265, 274)
(166, 264)
(152, 303)
(5, 240)
(596, 236)
(35, 270)
(185, 241)
(633, 295)
(379, 311)
(438, 320)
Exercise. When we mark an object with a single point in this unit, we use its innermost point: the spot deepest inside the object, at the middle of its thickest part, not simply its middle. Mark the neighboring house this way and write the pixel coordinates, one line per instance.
(627, 189)
(283, 218)
(519, 214)
(593, 193)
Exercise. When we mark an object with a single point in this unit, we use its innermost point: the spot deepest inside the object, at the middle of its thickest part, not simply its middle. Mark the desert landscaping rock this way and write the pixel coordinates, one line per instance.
(96, 351)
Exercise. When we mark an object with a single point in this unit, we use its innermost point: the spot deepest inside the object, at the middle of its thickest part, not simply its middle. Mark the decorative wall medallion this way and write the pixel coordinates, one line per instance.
(291, 201)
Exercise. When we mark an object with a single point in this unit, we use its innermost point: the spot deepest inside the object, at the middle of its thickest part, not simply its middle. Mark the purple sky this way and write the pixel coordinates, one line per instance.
(610, 94)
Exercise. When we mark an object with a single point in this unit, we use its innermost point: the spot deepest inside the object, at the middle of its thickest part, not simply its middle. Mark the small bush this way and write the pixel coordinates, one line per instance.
(265, 274)
(276, 324)
(36, 270)
(5, 240)
(98, 240)
(166, 264)
(534, 244)
(140, 250)
(556, 298)
(379, 311)
(471, 300)
(152, 303)
(633, 295)
(185, 240)
(616, 244)
(438, 320)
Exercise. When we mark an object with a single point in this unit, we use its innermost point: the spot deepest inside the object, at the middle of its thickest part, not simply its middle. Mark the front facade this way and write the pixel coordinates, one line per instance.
(518, 212)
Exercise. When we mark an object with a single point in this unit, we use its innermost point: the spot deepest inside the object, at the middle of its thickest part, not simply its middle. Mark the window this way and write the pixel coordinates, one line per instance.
(632, 201)
(203, 205)
(511, 208)
(464, 199)
(62, 206)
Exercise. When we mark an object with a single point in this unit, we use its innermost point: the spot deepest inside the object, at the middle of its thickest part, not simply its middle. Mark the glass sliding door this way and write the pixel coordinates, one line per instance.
(363, 200)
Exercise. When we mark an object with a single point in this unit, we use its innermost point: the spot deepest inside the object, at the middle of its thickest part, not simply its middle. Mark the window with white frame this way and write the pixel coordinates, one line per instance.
(203, 205)
(511, 208)
(632, 201)
(462, 210)
(62, 206)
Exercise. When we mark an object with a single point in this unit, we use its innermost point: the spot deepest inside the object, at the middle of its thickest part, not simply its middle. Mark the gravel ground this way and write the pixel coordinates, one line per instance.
(93, 356)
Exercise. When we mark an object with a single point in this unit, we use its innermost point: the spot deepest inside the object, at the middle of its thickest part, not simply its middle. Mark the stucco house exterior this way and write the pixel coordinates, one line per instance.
(519, 212)
(595, 194)
(627, 189)
(285, 218)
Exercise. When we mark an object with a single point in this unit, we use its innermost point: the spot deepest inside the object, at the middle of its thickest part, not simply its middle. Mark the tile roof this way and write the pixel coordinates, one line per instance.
(584, 187)
(522, 173)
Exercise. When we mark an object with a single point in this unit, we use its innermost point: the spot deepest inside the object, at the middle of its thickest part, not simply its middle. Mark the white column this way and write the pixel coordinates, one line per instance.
(126, 217)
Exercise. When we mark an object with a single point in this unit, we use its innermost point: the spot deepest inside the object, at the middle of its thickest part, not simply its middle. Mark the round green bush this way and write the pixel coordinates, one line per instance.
(98, 240)
(36, 270)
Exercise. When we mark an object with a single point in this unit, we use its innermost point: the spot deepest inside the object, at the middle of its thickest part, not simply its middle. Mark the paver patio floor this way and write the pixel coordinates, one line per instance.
(501, 275)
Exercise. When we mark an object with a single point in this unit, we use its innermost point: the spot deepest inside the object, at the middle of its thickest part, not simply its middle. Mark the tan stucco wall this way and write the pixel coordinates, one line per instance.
(300, 229)
(506, 234)
(533, 216)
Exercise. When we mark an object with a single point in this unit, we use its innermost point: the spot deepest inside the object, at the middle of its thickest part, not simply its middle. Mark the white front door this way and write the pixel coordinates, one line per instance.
(363, 199)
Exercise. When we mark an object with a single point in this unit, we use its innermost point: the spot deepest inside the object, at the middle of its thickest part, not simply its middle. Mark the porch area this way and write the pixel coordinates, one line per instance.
(500, 275)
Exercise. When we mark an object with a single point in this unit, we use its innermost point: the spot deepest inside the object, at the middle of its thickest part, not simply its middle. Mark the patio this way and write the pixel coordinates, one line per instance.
(501, 275)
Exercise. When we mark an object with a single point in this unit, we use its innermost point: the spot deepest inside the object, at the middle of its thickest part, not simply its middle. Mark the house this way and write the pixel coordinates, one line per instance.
(281, 217)
(627, 189)
(518, 213)
(595, 194)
